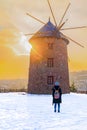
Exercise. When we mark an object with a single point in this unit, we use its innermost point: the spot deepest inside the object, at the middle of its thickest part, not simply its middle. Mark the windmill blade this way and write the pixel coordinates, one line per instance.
(47, 32)
(73, 28)
(62, 24)
(63, 15)
(73, 40)
(29, 34)
(52, 13)
(35, 18)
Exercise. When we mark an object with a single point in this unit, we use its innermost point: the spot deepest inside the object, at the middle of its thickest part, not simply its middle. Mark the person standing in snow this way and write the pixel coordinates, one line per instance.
(57, 96)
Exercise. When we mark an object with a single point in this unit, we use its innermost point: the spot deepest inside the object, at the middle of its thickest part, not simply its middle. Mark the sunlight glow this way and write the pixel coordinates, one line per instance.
(25, 43)
(21, 48)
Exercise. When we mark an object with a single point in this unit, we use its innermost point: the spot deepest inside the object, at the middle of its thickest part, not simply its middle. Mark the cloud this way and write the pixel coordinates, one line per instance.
(15, 40)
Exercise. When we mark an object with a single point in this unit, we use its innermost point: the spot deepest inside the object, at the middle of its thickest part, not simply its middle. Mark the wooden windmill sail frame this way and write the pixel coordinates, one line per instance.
(61, 24)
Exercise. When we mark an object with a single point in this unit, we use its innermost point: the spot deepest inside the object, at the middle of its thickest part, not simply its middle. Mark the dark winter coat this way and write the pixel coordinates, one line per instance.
(59, 100)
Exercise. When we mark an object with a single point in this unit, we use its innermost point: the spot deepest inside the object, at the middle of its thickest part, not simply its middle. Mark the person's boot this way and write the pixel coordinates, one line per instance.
(58, 110)
(54, 110)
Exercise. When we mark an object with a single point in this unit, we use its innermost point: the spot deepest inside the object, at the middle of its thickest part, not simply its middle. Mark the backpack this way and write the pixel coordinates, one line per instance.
(56, 94)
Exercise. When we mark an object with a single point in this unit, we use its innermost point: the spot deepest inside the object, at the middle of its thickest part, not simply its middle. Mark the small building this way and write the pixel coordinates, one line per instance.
(48, 61)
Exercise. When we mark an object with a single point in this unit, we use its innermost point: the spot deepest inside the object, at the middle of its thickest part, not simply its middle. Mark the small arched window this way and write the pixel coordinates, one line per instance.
(50, 62)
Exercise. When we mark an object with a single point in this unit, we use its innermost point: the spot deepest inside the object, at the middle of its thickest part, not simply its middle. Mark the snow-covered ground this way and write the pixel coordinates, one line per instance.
(21, 111)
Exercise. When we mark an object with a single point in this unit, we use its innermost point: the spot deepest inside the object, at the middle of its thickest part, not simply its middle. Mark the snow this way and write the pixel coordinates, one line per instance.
(22, 111)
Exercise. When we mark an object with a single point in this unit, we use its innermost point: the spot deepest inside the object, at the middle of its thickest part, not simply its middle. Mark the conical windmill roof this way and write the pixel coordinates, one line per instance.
(48, 30)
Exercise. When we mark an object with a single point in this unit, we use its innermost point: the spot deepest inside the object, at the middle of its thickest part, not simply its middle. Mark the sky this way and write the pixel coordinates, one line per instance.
(21, 111)
(14, 24)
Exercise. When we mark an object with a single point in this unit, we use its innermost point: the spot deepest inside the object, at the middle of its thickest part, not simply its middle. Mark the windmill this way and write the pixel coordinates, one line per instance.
(48, 57)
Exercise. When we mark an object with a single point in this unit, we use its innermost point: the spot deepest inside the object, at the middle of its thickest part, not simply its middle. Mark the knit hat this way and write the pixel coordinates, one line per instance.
(57, 83)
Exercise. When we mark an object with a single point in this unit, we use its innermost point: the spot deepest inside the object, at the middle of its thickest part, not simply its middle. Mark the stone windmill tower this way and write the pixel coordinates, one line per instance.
(48, 58)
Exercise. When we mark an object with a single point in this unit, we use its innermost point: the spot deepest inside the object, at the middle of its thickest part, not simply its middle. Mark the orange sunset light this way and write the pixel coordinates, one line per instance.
(14, 24)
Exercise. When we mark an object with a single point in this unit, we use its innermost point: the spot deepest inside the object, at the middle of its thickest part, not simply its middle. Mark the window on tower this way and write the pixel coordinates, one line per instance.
(50, 62)
(50, 80)
(50, 45)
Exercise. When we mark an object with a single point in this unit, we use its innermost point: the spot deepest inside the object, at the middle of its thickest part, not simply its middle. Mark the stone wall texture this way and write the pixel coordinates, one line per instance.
(38, 69)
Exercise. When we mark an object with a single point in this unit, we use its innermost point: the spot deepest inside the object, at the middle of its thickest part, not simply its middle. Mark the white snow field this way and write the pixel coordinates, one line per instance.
(22, 111)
